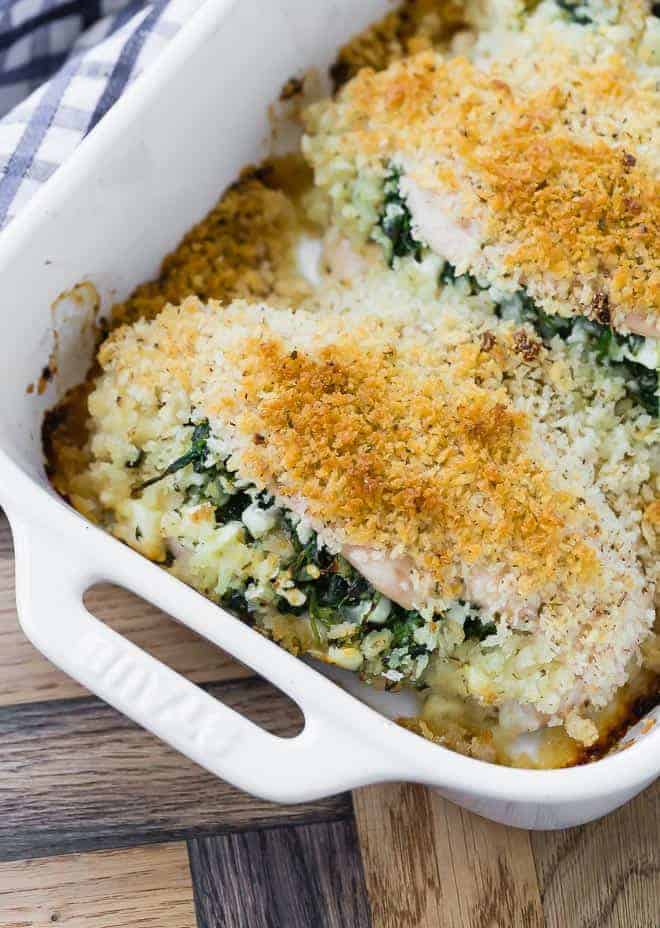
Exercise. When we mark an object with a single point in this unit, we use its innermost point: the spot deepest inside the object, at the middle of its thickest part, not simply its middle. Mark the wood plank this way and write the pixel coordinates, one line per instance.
(429, 863)
(605, 874)
(26, 676)
(77, 775)
(293, 877)
(150, 887)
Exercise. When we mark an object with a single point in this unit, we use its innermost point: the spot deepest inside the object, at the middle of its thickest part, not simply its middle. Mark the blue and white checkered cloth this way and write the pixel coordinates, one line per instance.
(63, 63)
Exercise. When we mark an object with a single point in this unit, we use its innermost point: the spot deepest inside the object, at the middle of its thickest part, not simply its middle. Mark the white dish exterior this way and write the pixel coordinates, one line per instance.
(153, 167)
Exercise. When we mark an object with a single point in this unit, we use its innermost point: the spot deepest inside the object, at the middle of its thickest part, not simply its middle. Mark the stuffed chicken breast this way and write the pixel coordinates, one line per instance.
(390, 493)
(529, 162)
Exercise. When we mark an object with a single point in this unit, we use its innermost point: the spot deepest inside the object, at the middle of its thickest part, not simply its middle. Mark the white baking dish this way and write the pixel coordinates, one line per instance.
(154, 166)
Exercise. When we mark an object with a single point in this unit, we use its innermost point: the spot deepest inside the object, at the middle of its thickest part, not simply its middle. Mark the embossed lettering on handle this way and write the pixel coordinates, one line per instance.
(158, 694)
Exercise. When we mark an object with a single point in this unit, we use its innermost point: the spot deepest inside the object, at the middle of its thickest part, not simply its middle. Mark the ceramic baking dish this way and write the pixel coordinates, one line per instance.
(152, 168)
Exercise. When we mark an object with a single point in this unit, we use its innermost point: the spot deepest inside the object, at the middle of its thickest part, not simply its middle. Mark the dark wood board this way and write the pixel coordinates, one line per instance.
(295, 875)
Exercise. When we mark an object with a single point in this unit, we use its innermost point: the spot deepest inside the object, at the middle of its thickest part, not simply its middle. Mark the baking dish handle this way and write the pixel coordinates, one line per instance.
(325, 758)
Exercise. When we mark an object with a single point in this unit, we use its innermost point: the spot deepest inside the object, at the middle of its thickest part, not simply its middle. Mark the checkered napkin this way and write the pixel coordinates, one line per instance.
(63, 63)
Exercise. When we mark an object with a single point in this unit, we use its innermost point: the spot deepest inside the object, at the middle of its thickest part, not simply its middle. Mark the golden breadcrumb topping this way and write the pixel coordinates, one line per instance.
(555, 179)
(393, 445)
(395, 450)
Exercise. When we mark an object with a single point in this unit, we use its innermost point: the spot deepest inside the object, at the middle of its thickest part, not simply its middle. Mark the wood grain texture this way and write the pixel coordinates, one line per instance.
(26, 676)
(307, 876)
(429, 863)
(77, 775)
(605, 874)
(149, 887)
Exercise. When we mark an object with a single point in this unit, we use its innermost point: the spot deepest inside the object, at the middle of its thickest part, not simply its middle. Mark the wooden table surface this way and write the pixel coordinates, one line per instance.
(102, 826)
